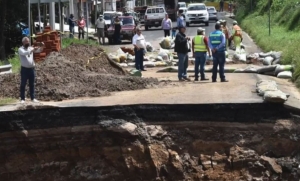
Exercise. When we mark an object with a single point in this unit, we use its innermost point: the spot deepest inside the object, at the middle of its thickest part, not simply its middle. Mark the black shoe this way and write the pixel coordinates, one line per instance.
(214, 80)
(224, 80)
(181, 80)
(187, 79)
(143, 70)
(196, 79)
(204, 79)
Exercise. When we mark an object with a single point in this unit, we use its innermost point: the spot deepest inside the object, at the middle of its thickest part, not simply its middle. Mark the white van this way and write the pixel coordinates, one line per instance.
(154, 16)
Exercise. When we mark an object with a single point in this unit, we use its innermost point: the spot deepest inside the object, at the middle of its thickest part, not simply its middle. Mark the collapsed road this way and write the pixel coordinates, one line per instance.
(151, 142)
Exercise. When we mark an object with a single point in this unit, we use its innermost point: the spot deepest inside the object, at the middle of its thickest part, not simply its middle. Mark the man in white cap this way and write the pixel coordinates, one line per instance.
(100, 25)
(200, 48)
(236, 36)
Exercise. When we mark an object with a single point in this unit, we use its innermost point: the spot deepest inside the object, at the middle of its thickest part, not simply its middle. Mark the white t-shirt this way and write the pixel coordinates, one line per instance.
(139, 41)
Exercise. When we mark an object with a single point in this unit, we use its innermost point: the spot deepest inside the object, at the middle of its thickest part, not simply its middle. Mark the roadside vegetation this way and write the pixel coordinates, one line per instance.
(285, 28)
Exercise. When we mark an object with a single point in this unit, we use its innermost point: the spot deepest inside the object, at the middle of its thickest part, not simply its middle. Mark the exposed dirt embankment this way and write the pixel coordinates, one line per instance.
(151, 142)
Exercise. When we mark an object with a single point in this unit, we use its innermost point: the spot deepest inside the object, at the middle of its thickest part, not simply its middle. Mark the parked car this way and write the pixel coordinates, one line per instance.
(109, 15)
(213, 14)
(181, 5)
(154, 17)
(127, 30)
(197, 13)
(134, 15)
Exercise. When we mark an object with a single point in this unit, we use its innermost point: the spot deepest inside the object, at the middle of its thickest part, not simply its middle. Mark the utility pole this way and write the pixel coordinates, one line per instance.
(96, 12)
(269, 17)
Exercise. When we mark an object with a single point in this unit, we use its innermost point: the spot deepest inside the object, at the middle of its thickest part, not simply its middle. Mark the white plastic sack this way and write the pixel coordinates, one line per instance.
(123, 64)
(263, 55)
(268, 60)
(131, 64)
(265, 85)
(270, 68)
(159, 58)
(164, 54)
(285, 75)
(243, 57)
(249, 69)
(149, 64)
(281, 68)
(149, 47)
(166, 43)
(275, 96)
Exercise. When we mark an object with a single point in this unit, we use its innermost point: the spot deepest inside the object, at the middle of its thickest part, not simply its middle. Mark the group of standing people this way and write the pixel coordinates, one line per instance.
(81, 24)
(215, 45)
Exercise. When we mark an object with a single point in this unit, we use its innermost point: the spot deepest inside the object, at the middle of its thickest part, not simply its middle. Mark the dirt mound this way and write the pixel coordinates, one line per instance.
(77, 71)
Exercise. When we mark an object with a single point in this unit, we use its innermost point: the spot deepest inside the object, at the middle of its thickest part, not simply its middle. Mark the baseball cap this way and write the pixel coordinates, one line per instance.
(199, 30)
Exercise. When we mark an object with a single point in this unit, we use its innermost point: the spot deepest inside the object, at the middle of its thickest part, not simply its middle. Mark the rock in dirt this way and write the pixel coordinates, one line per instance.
(76, 71)
(271, 162)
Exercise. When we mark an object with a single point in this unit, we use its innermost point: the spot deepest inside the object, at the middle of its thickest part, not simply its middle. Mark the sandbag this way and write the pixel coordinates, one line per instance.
(168, 69)
(149, 47)
(149, 64)
(264, 55)
(268, 60)
(265, 85)
(276, 55)
(164, 54)
(243, 57)
(285, 75)
(134, 72)
(131, 64)
(159, 58)
(281, 68)
(276, 61)
(165, 43)
(249, 69)
(276, 96)
(270, 68)
(123, 64)
(160, 64)
(130, 57)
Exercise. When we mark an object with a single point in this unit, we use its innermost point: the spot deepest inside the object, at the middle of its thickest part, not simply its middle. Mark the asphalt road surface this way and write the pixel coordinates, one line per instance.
(157, 33)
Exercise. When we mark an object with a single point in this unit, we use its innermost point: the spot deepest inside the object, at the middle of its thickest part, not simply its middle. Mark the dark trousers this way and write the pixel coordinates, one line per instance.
(167, 33)
(117, 37)
(27, 74)
(139, 59)
(218, 61)
(72, 32)
(80, 33)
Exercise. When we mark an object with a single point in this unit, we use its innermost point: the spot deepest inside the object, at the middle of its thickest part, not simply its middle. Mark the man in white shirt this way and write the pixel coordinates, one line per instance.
(27, 68)
(100, 25)
(139, 44)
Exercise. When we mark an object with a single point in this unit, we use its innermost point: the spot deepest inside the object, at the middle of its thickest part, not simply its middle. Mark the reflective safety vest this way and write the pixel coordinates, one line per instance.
(215, 39)
(237, 31)
(199, 44)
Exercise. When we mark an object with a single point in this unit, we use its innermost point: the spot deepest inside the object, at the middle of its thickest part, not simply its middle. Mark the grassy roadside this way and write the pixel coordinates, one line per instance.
(7, 100)
(285, 26)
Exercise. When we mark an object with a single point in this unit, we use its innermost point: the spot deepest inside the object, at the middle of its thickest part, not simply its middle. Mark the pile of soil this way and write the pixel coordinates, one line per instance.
(76, 71)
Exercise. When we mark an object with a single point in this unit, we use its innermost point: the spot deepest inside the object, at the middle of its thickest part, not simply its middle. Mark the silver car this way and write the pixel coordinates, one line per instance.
(213, 14)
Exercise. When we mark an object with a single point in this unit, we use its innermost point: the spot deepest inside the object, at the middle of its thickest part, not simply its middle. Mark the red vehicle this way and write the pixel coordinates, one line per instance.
(127, 30)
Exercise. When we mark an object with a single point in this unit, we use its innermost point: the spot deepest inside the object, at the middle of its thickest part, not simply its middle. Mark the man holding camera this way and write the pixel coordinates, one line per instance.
(28, 67)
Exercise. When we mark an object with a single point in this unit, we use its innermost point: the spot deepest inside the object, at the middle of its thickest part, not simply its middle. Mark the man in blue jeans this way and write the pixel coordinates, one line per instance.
(27, 68)
(72, 22)
(216, 43)
(200, 48)
(181, 48)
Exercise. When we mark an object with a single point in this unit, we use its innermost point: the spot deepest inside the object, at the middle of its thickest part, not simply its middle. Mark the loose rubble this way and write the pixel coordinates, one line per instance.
(77, 71)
